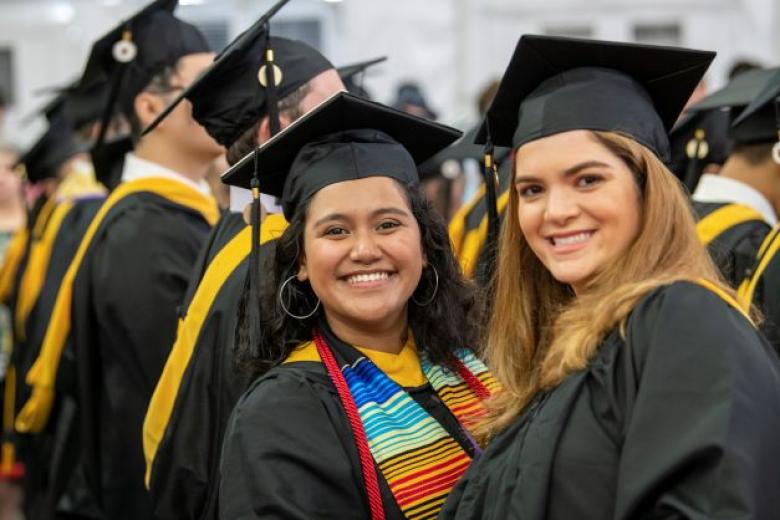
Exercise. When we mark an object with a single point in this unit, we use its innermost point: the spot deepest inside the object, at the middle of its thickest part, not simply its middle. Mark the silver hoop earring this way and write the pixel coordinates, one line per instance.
(286, 310)
(435, 290)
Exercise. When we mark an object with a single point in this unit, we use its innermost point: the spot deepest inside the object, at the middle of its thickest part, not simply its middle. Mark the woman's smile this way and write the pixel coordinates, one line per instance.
(372, 279)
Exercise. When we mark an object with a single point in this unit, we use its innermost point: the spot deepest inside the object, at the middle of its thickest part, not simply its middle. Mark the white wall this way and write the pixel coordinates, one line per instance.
(451, 47)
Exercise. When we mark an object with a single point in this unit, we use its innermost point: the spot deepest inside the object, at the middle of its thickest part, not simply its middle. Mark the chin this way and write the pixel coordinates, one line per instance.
(371, 314)
(571, 277)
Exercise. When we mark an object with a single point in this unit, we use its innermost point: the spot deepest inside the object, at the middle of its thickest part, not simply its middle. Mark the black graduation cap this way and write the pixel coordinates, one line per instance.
(346, 137)
(136, 50)
(232, 94)
(700, 138)
(760, 121)
(459, 151)
(352, 75)
(737, 93)
(555, 84)
(80, 107)
(50, 151)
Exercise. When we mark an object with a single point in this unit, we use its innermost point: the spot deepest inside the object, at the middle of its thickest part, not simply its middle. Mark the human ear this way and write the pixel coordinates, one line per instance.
(263, 131)
(147, 108)
(303, 272)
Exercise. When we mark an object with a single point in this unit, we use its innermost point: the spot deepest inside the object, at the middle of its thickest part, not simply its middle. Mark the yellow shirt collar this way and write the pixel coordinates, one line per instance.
(403, 368)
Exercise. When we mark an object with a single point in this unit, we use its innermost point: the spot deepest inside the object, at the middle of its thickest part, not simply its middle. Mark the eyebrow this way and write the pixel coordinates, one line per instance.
(567, 172)
(375, 213)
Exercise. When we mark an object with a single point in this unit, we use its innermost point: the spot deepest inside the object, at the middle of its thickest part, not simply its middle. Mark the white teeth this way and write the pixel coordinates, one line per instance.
(368, 277)
(572, 239)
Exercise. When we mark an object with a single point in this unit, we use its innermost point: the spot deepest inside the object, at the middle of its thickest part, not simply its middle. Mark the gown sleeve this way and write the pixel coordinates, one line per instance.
(703, 423)
(284, 455)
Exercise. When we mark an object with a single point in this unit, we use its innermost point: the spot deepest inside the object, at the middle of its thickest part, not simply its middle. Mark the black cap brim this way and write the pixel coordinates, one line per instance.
(767, 94)
(347, 72)
(668, 74)
(739, 92)
(239, 45)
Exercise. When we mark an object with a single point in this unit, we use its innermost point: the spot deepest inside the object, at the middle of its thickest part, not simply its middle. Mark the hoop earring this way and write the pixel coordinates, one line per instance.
(435, 290)
(287, 311)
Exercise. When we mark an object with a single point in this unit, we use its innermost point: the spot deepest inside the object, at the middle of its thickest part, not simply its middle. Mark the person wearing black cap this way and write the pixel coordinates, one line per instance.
(116, 306)
(759, 124)
(57, 162)
(365, 261)
(76, 197)
(633, 384)
(186, 417)
(737, 204)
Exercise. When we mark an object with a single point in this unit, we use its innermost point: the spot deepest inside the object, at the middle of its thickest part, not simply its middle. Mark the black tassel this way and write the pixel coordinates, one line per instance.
(254, 266)
(695, 153)
(113, 95)
(490, 251)
(272, 109)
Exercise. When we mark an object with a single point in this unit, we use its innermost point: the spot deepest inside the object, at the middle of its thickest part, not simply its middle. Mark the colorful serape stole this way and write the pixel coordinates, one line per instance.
(418, 458)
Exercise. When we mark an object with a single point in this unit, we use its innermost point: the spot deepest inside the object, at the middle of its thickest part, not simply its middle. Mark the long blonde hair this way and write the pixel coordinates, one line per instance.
(539, 333)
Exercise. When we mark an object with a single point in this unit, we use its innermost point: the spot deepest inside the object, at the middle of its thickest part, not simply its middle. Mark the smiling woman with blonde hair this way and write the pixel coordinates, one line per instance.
(634, 387)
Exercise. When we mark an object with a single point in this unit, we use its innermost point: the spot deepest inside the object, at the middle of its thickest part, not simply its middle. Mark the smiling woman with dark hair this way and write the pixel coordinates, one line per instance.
(368, 385)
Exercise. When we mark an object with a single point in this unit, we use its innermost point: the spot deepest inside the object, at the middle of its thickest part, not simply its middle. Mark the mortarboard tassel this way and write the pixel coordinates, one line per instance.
(490, 178)
(269, 75)
(697, 150)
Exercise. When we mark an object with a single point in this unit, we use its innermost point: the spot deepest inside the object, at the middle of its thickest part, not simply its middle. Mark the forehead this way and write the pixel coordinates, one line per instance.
(561, 151)
(358, 197)
(191, 65)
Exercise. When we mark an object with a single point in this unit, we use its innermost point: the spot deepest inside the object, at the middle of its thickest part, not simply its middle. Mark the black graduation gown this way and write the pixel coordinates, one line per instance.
(184, 477)
(734, 250)
(39, 448)
(126, 296)
(679, 420)
(767, 289)
(289, 452)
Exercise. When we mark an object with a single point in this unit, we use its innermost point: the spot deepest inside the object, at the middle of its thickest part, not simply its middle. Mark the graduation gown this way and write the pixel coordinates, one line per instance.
(289, 452)
(200, 384)
(733, 234)
(680, 419)
(762, 288)
(11, 277)
(121, 295)
(68, 230)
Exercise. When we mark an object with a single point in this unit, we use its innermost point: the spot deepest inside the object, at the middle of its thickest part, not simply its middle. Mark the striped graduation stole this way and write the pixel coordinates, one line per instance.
(420, 461)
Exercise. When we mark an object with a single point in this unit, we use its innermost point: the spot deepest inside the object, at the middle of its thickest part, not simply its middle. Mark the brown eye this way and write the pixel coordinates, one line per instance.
(335, 231)
(529, 191)
(387, 225)
(586, 181)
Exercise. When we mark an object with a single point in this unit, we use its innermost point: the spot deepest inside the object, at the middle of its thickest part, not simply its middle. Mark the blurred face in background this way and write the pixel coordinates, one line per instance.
(10, 181)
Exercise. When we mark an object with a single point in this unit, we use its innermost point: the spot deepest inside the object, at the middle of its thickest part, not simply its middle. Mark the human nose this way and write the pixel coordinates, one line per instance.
(561, 206)
(365, 248)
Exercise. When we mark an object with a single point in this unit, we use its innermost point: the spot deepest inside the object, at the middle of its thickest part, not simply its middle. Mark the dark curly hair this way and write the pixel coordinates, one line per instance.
(447, 323)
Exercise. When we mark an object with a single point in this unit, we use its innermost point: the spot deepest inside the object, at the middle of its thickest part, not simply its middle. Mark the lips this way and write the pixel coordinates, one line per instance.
(571, 239)
(368, 278)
